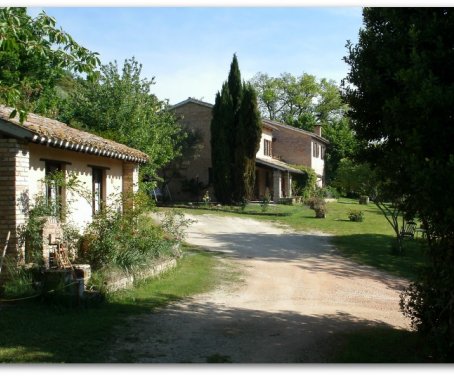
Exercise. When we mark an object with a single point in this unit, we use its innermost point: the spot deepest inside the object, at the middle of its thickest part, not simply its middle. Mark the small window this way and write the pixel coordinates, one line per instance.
(98, 189)
(316, 150)
(267, 148)
(53, 189)
(322, 155)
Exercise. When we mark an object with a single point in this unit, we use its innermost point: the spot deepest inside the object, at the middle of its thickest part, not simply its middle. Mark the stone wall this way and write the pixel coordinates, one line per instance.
(196, 117)
(123, 281)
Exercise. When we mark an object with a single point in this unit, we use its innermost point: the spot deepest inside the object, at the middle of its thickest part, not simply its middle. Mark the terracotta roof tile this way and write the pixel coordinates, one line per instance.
(59, 134)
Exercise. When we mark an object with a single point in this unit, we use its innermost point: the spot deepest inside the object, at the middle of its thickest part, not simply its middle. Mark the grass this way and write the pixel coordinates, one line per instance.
(368, 242)
(34, 332)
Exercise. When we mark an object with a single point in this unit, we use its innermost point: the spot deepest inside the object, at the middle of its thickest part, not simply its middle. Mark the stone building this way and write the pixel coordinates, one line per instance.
(281, 146)
(39, 147)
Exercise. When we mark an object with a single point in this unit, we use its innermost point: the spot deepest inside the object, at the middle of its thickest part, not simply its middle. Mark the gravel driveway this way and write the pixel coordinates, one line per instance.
(297, 294)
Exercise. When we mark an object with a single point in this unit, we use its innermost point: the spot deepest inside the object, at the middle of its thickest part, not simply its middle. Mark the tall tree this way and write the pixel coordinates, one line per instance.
(120, 106)
(247, 144)
(235, 137)
(34, 56)
(400, 89)
(221, 149)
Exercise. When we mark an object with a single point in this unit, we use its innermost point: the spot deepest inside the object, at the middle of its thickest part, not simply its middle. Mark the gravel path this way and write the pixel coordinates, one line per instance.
(296, 295)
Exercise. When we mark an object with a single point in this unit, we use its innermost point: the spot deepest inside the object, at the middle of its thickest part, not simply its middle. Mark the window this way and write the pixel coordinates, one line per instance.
(53, 189)
(322, 154)
(97, 189)
(315, 150)
(267, 148)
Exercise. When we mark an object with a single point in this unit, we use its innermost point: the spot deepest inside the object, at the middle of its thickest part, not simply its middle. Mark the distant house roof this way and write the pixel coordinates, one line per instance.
(278, 125)
(279, 165)
(266, 122)
(192, 100)
(53, 133)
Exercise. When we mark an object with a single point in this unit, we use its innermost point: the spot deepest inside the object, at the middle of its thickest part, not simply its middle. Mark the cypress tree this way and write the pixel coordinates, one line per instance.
(220, 147)
(249, 138)
(235, 137)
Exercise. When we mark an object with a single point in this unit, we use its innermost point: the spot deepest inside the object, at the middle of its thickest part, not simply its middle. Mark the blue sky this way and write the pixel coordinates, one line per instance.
(189, 50)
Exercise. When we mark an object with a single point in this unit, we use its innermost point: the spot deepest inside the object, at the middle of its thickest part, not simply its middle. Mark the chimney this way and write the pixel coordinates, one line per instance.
(318, 130)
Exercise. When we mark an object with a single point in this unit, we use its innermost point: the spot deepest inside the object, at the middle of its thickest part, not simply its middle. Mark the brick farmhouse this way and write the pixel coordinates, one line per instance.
(281, 146)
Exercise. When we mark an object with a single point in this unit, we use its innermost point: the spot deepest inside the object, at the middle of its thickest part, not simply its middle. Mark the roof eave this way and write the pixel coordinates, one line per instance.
(19, 132)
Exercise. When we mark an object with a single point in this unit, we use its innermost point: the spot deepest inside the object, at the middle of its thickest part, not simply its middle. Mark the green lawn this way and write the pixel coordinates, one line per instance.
(35, 332)
(368, 242)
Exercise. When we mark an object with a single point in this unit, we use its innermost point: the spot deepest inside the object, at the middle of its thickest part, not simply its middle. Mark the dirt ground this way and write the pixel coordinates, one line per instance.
(295, 297)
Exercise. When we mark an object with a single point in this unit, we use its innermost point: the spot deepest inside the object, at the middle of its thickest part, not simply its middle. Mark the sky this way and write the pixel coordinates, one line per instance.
(188, 50)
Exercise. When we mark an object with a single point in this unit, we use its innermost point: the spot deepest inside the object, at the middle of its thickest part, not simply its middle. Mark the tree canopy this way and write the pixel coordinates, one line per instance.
(303, 102)
(400, 90)
(119, 105)
(34, 56)
(236, 129)
(300, 101)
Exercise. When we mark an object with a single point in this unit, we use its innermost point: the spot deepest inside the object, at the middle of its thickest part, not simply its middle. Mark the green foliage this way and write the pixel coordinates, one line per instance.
(247, 144)
(120, 106)
(221, 157)
(265, 201)
(30, 233)
(327, 192)
(128, 240)
(175, 224)
(19, 283)
(34, 55)
(303, 102)
(235, 139)
(304, 185)
(355, 179)
(342, 144)
(356, 216)
(194, 187)
(61, 335)
(401, 93)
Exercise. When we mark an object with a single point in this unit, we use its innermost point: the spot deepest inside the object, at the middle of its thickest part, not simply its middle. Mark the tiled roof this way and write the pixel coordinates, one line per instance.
(192, 100)
(279, 165)
(53, 133)
(278, 125)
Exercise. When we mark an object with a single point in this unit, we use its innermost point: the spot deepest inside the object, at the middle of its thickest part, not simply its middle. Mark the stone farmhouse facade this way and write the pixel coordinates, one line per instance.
(40, 146)
(281, 146)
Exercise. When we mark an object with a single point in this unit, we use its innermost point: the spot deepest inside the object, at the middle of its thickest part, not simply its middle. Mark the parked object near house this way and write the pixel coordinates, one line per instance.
(281, 146)
(38, 148)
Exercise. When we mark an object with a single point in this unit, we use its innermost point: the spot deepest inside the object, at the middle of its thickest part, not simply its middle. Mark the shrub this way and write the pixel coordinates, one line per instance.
(327, 192)
(265, 201)
(175, 224)
(127, 240)
(356, 216)
(19, 283)
(318, 204)
(304, 185)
